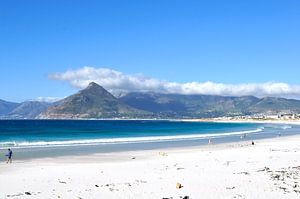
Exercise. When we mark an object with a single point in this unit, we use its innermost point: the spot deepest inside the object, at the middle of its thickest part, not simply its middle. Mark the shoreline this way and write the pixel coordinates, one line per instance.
(129, 154)
(161, 143)
(255, 121)
(231, 170)
(229, 120)
(202, 147)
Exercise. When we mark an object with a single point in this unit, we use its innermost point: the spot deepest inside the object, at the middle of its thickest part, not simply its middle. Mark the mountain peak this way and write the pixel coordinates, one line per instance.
(92, 102)
(93, 84)
(95, 89)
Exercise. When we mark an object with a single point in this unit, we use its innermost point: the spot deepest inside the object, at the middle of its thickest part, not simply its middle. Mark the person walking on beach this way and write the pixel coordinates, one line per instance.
(9, 156)
(209, 141)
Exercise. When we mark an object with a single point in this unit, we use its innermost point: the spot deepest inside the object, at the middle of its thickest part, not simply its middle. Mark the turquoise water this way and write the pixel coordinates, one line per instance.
(67, 136)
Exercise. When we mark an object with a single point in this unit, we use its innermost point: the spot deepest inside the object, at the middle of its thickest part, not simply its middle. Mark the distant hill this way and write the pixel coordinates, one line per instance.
(28, 110)
(193, 106)
(6, 107)
(96, 102)
(91, 102)
(24, 110)
(276, 105)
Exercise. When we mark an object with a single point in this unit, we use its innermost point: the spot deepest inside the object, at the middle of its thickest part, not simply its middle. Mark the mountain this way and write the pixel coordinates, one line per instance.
(91, 102)
(6, 107)
(193, 106)
(96, 102)
(24, 110)
(272, 104)
(28, 110)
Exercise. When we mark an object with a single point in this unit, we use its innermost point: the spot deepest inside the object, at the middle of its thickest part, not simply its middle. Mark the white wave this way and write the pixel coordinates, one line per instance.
(275, 126)
(14, 144)
(8, 144)
(286, 127)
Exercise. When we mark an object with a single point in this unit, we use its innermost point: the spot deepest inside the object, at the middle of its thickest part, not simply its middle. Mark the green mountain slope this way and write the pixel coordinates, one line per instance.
(91, 102)
(176, 105)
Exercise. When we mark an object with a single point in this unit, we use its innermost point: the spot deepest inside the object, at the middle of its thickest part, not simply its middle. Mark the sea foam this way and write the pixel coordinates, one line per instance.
(124, 140)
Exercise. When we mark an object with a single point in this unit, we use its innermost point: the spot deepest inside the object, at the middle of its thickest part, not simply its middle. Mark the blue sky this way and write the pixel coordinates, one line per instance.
(226, 42)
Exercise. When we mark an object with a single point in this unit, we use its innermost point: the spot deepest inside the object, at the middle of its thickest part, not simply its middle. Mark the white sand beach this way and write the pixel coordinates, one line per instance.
(269, 169)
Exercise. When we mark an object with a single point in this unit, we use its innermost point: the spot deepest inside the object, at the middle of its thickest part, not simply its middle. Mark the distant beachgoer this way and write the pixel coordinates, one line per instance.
(279, 134)
(243, 136)
(209, 141)
(252, 143)
(9, 156)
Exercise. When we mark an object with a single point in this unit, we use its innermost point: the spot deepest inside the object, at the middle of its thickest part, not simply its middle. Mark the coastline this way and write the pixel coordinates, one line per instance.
(231, 170)
(142, 142)
(233, 120)
(221, 120)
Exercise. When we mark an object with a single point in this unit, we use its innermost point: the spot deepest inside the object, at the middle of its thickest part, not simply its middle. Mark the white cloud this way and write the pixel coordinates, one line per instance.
(116, 81)
(47, 99)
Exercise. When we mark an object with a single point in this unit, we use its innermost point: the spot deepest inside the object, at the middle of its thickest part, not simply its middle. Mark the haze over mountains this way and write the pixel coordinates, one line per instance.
(96, 102)
(24, 110)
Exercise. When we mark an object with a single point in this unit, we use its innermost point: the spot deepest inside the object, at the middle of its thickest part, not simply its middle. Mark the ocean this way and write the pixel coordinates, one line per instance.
(42, 138)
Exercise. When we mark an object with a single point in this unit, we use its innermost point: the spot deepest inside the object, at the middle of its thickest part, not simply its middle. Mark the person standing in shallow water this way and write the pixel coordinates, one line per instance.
(9, 156)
